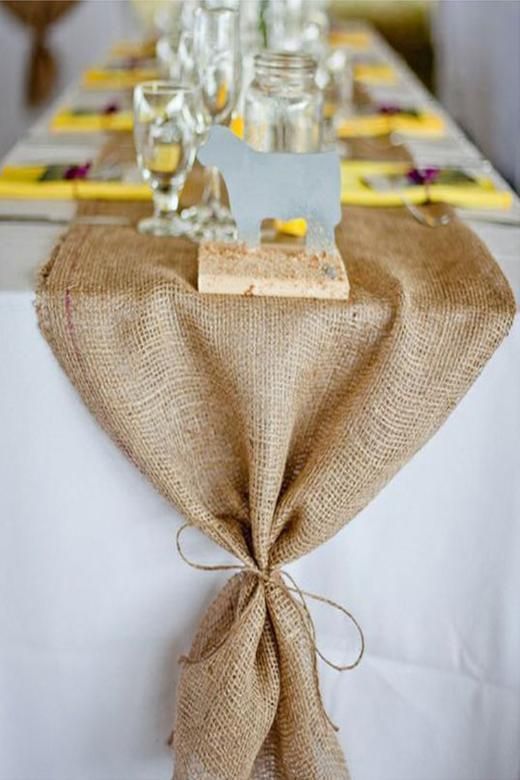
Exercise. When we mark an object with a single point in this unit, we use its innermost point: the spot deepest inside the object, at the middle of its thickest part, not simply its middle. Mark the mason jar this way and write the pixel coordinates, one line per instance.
(284, 106)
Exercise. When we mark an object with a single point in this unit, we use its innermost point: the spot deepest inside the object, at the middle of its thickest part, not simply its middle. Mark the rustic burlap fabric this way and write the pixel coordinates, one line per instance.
(270, 423)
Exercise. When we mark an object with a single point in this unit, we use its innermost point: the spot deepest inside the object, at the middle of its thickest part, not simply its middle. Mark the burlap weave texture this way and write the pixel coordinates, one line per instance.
(270, 423)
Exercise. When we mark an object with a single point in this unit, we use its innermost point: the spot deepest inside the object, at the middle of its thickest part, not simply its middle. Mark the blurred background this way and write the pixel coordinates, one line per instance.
(466, 51)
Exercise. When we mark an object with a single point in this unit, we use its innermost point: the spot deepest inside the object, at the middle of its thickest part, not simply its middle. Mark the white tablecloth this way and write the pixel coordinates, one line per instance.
(96, 606)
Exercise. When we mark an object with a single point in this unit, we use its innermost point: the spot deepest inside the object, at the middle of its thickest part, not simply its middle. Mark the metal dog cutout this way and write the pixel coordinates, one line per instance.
(276, 184)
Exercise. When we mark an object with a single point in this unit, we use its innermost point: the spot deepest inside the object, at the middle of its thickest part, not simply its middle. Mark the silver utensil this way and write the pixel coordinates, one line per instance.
(445, 219)
(426, 219)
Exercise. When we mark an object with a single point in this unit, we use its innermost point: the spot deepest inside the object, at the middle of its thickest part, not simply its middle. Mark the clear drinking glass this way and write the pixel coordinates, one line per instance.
(174, 49)
(339, 98)
(165, 129)
(284, 106)
(218, 62)
(175, 55)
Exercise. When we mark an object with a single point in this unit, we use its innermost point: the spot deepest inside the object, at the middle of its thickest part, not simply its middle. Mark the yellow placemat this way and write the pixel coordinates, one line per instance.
(354, 39)
(356, 188)
(70, 121)
(357, 177)
(48, 182)
(133, 49)
(423, 124)
(374, 73)
(116, 78)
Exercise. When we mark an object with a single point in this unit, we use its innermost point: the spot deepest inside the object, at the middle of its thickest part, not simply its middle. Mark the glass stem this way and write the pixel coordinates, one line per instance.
(165, 203)
(212, 189)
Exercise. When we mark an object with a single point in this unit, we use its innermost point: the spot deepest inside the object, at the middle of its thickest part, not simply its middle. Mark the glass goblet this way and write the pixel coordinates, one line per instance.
(165, 127)
(218, 63)
(176, 58)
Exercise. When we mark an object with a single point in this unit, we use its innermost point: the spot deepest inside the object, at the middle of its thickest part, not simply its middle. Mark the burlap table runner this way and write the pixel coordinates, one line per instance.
(270, 423)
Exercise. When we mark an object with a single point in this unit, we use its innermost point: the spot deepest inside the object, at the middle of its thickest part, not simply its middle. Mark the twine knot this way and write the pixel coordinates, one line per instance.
(276, 577)
(265, 574)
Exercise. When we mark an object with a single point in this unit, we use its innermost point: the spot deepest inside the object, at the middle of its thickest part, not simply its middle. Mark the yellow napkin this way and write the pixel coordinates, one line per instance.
(106, 78)
(354, 39)
(68, 121)
(374, 73)
(425, 124)
(136, 49)
(356, 191)
(293, 227)
(24, 181)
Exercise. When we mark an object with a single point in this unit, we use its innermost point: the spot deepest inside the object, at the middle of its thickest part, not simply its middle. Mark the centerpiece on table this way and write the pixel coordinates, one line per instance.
(279, 172)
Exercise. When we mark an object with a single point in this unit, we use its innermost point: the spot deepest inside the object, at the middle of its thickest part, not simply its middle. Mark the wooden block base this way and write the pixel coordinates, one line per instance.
(273, 270)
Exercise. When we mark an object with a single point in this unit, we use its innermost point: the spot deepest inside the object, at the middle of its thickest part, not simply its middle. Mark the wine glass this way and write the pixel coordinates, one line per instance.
(165, 132)
(174, 49)
(218, 63)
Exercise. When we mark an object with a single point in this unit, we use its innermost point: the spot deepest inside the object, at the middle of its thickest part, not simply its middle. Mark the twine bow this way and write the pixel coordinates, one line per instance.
(274, 577)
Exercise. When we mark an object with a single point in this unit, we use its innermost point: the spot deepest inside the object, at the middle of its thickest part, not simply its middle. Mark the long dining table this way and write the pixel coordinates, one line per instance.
(97, 607)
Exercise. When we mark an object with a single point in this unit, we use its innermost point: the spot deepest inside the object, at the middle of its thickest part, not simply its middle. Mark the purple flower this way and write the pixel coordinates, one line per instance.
(422, 175)
(111, 108)
(77, 171)
(389, 109)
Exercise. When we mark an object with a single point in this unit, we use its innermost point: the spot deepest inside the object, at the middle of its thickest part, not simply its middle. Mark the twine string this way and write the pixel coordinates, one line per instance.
(276, 577)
